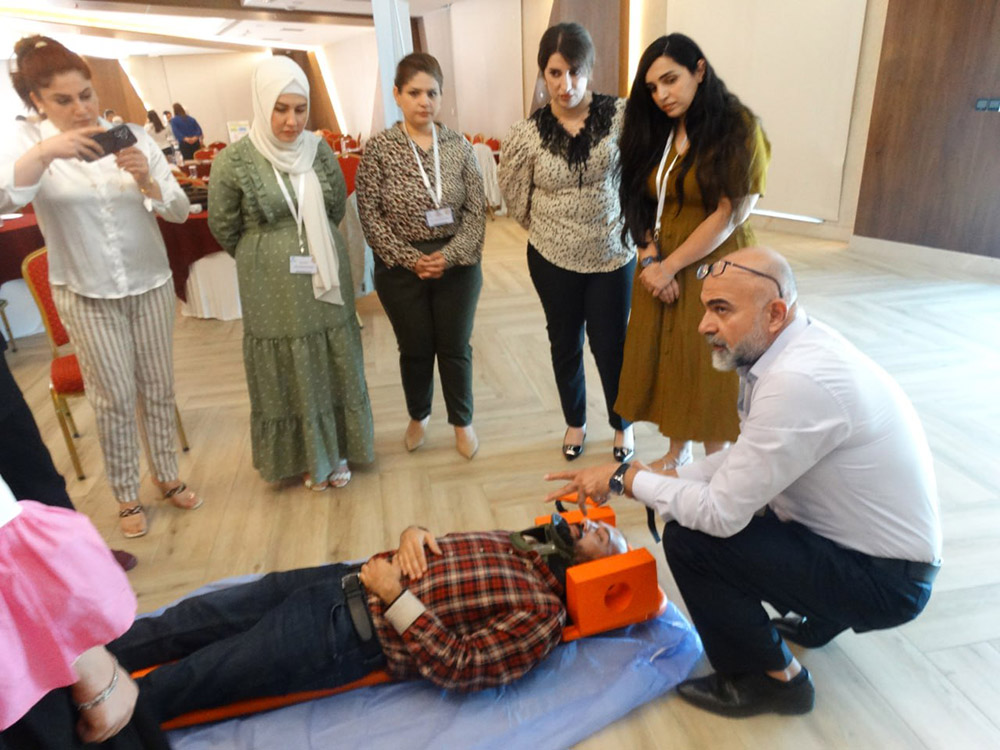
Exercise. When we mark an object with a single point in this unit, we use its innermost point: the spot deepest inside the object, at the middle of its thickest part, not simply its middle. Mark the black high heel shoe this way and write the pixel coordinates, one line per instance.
(622, 454)
(570, 451)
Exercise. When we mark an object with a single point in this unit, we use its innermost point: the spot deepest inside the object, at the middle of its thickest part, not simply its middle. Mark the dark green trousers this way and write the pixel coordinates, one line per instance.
(432, 318)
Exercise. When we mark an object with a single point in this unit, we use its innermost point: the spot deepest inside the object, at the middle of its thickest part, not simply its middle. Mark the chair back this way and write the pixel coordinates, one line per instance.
(204, 154)
(216, 146)
(35, 270)
(349, 166)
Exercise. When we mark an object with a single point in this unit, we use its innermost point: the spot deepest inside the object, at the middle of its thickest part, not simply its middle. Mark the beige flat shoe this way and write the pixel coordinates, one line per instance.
(413, 438)
(466, 442)
(180, 496)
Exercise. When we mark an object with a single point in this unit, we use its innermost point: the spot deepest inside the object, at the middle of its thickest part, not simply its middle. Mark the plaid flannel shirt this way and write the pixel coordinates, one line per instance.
(491, 613)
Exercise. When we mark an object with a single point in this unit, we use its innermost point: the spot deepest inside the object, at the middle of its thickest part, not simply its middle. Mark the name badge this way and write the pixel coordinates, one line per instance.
(439, 217)
(302, 264)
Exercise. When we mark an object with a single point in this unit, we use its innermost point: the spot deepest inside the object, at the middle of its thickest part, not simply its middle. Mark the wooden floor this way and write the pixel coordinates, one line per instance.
(931, 684)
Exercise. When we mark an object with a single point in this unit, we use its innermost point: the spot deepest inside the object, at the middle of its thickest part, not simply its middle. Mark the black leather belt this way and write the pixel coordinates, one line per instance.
(915, 571)
(357, 607)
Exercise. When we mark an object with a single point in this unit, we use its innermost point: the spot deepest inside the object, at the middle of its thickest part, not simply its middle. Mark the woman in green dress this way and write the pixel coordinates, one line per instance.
(274, 202)
(694, 161)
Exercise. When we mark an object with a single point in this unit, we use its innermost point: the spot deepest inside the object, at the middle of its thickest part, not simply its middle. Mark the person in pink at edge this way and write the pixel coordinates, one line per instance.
(62, 597)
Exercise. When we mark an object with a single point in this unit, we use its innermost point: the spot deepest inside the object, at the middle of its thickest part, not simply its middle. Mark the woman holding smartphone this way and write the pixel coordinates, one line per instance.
(107, 263)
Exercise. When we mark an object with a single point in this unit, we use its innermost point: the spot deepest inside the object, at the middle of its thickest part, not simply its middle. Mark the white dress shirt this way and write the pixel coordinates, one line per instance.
(827, 439)
(100, 231)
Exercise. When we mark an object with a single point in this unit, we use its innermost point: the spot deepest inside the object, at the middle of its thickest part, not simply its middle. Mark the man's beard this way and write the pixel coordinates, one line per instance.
(744, 354)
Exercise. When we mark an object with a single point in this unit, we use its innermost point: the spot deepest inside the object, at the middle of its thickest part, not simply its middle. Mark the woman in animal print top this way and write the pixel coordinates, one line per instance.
(423, 211)
(558, 173)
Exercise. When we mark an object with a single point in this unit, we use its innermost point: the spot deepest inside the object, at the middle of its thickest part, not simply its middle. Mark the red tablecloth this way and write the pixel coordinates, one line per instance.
(18, 238)
(185, 243)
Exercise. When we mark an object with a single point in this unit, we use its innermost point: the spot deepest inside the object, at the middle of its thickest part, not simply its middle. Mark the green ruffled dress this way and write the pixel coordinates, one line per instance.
(309, 405)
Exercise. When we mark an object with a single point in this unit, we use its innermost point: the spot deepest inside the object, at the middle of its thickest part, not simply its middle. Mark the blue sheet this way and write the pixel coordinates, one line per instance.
(578, 689)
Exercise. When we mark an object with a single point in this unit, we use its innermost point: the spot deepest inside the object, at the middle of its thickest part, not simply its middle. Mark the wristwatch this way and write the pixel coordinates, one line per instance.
(617, 482)
(649, 260)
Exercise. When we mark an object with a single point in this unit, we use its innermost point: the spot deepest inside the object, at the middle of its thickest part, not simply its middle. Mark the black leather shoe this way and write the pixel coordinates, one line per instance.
(750, 694)
(572, 452)
(622, 454)
(805, 631)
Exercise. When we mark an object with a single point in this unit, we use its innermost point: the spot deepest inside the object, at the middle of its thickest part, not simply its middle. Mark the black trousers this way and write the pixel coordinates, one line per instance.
(572, 301)
(433, 318)
(25, 462)
(724, 581)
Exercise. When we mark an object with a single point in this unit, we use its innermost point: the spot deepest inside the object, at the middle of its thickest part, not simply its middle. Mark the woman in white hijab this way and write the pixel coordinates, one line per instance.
(274, 203)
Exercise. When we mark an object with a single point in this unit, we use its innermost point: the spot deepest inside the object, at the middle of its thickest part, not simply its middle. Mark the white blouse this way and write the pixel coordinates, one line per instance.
(100, 231)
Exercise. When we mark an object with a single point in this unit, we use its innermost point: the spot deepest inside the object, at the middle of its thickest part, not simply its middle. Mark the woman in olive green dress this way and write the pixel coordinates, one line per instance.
(694, 162)
(274, 202)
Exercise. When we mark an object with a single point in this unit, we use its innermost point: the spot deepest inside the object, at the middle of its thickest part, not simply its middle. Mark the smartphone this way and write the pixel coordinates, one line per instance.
(114, 140)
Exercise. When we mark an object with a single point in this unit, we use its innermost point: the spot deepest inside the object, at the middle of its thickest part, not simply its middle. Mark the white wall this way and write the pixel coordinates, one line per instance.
(214, 88)
(354, 65)
(438, 35)
(535, 15)
(486, 49)
(795, 63)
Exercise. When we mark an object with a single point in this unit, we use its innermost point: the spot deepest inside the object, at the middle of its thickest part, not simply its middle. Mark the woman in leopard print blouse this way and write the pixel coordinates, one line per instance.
(559, 176)
(423, 211)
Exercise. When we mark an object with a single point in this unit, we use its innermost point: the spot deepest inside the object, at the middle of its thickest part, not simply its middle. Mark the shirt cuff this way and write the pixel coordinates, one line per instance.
(645, 485)
(404, 611)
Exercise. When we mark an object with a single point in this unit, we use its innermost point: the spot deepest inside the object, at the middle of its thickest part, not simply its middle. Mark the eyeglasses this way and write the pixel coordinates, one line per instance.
(719, 267)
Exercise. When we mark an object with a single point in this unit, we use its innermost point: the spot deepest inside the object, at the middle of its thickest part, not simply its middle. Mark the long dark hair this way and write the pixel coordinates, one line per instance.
(718, 128)
(39, 59)
(179, 110)
(155, 119)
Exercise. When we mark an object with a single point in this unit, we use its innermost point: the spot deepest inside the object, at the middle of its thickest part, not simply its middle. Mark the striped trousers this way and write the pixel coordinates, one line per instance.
(125, 349)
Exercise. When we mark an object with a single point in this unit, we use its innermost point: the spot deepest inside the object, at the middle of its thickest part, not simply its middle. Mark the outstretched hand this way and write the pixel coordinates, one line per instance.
(411, 556)
(591, 482)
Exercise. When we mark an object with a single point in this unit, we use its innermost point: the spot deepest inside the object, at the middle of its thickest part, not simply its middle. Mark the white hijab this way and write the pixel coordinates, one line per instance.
(273, 77)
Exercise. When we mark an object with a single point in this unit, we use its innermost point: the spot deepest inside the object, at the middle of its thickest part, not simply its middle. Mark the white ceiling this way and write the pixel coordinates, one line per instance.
(68, 21)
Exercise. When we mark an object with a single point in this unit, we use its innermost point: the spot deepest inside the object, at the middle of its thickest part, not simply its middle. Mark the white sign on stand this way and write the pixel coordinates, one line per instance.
(237, 129)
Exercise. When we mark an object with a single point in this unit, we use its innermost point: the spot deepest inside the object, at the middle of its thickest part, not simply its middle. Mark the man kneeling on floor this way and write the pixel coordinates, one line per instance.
(825, 506)
(479, 611)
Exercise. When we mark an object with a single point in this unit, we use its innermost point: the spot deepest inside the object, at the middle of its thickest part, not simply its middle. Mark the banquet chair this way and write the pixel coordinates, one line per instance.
(6, 324)
(349, 166)
(216, 146)
(204, 154)
(65, 378)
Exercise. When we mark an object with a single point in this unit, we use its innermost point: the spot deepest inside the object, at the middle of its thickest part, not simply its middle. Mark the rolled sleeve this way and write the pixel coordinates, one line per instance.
(404, 611)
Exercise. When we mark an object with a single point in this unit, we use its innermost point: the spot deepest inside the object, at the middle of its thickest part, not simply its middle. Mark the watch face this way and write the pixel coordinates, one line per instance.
(617, 482)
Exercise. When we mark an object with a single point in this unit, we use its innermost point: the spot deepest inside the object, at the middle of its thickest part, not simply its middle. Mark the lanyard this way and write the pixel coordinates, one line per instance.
(296, 212)
(661, 182)
(434, 194)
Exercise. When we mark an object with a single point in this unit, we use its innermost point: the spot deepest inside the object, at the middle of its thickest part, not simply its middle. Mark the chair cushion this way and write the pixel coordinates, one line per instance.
(67, 380)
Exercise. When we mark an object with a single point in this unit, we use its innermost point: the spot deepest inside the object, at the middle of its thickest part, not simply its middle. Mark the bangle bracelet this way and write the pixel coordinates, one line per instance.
(103, 695)
(649, 260)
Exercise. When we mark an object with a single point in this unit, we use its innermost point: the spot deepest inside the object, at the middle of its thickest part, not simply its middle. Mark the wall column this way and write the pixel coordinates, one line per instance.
(394, 37)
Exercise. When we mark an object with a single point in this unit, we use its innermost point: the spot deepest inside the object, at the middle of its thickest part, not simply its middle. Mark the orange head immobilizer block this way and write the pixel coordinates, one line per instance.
(611, 592)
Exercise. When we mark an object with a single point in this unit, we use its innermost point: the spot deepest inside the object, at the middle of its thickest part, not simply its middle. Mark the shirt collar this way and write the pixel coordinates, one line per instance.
(792, 330)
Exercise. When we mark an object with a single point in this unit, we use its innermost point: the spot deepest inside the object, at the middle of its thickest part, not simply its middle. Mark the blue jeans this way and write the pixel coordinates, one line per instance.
(283, 633)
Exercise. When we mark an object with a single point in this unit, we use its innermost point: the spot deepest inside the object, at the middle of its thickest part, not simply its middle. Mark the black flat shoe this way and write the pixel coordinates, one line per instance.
(805, 631)
(750, 694)
(622, 454)
(572, 452)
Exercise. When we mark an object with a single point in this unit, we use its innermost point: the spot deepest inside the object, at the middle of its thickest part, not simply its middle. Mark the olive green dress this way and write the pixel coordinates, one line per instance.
(309, 404)
(667, 374)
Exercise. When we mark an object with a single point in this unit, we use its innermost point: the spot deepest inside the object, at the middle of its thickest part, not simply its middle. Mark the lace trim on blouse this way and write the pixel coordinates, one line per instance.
(575, 149)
